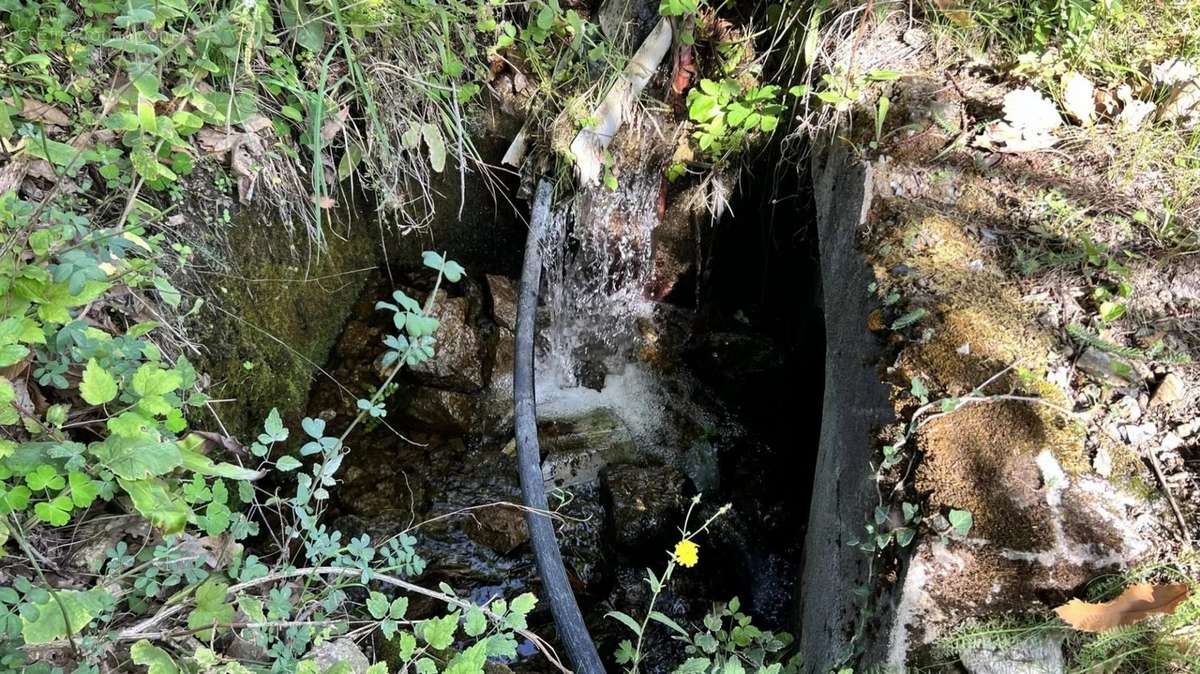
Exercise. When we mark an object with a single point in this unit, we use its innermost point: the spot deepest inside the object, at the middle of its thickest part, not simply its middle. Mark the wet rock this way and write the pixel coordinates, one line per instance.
(575, 450)
(1169, 390)
(501, 528)
(1106, 367)
(440, 410)
(1037, 655)
(647, 501)
(703, 467)
(345, 651)
(504, 301)
(459, 363)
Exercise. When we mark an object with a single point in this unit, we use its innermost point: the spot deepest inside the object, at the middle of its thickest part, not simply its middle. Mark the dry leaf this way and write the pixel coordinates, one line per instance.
(1079, 97)
(1135, 604)
(36, 111)
(1030, 120)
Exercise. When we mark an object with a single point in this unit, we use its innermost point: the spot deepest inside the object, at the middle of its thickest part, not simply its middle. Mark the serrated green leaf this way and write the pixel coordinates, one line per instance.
(153, 658)
(98, 385)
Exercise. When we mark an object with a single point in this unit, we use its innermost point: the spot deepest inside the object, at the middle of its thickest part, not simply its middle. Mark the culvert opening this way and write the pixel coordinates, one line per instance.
(715, 390)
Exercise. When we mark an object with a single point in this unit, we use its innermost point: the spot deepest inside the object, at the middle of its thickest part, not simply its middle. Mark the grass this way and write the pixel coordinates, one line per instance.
(1165, 644)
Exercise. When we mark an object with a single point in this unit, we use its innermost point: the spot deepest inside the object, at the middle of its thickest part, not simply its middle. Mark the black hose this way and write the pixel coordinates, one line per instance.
(567, 618)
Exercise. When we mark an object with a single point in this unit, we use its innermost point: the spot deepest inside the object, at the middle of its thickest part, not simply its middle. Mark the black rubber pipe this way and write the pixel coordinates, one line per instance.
(572, 632)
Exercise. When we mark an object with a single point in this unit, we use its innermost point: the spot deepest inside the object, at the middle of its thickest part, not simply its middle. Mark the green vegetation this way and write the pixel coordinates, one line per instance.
(1160, 644)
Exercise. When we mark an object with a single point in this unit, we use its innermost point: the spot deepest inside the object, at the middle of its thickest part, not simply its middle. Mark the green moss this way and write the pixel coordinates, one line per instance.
(273, 320)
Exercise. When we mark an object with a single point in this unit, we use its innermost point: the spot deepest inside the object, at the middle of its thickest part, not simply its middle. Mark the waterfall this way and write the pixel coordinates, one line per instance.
(598, 258)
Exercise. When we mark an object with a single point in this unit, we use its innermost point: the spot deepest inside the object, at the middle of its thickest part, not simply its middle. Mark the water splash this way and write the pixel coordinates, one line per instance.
(599, 264)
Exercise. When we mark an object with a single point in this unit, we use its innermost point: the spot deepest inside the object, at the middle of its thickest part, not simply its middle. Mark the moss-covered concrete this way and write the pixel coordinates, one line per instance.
(272, 318)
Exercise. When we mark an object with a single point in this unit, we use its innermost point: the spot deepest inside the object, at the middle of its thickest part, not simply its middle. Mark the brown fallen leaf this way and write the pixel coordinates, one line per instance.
(1135, 604)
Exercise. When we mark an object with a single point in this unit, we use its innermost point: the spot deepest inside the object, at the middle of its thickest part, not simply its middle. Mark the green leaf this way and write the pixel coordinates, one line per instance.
(98, 386)
(153, 658)
(199, 463)
(45, 477)
(274, 427)
(962, 521)
(83, 489)
(81, 607)
(377, 605)
(211, 608)
(152, 499)
(475, 623)
(663, 619)
(8, 394)
(625, 620)
(56, 512)
(398, 609)
(11, 354)
(137, 458)
(694, 666)
(152, 380)
(909, 318)
(470, 661)
(437, 146)
(287, 463)
(439, 632)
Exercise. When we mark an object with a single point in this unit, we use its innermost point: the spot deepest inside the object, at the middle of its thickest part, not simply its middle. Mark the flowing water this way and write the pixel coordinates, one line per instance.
(598, 265)
(636, 413)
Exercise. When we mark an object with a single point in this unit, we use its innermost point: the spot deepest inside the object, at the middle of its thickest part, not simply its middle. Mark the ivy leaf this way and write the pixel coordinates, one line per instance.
(153, 658)
(47, 625)
(98, 385)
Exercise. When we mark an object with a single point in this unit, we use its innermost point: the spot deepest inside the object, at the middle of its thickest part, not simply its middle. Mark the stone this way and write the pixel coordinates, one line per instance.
(1127, 408)
(1102, 462)
(1170, 389)
(440, 410)
(647, 502)
(575, 450)
(504, 301)
(500, 528)
(1036, 655)
(459, 363)
(1186, 429)
(330, 653)
(1106, 367)
(1136, 435)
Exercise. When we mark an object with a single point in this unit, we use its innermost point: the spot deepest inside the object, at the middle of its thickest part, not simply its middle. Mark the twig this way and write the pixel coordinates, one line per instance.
(1166, 488)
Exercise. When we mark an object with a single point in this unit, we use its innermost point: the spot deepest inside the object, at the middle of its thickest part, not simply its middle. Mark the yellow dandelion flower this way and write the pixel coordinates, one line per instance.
(687, 553)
